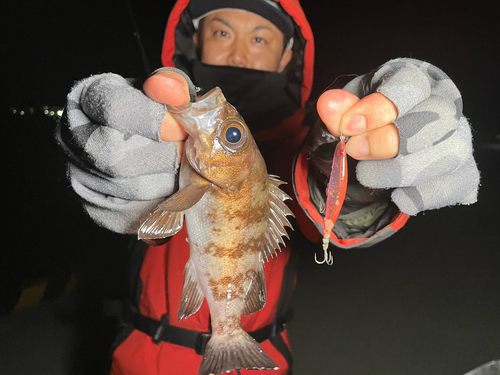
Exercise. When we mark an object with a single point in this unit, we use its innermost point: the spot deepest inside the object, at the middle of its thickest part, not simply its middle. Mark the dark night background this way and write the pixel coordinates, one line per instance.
(426, 301)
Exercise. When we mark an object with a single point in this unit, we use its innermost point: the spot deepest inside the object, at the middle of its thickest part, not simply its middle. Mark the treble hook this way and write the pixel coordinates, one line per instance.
(328, 257)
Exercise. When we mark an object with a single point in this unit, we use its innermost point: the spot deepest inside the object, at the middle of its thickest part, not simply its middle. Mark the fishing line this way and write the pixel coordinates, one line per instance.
(137, 35)
(333, 83)
(311, 104)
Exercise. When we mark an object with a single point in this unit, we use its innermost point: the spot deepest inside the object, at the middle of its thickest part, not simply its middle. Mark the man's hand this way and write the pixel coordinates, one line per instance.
(413, 123)
(367, 121)
(111, 133)
(168, 87)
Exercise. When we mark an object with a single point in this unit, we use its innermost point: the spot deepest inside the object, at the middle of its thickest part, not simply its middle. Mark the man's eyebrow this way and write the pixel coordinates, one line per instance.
(222, 20)
(225, 22)
(260, 27)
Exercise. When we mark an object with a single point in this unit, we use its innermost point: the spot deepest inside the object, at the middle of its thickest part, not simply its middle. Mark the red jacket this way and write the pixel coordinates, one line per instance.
(161, 276)
(161, 279)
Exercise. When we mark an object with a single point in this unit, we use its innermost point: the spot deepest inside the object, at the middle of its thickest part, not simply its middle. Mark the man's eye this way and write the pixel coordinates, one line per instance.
(221, 33)
(259, 40)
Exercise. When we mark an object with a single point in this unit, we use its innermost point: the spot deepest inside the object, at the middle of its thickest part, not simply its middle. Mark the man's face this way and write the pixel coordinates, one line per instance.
(242, 39)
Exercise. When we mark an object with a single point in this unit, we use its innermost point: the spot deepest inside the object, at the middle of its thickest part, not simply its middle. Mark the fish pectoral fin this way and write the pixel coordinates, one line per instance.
(185, 198)
(167, 219)
(192, 296)
(255, 298)
(161, 224)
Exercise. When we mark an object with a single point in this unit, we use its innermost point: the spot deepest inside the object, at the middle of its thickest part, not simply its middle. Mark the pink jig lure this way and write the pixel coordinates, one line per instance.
(335, 195)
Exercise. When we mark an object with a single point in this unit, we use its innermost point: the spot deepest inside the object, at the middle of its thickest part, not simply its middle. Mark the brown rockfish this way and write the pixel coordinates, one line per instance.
(235, 219)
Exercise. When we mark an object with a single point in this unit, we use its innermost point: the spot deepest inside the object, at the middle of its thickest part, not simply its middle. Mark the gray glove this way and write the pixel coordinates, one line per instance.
(118, 164)
(435, 166)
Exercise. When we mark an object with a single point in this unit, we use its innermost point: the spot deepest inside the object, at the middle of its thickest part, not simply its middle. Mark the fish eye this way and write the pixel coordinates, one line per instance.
(233, 135)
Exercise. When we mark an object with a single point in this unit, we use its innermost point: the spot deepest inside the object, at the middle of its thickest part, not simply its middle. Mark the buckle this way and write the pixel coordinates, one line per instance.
(273, 330)
(128, 317)
(163, 322)
(201, 342)
(279, 324)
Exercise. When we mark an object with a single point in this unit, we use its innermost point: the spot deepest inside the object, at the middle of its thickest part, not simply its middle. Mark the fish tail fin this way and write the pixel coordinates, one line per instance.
(225, 354)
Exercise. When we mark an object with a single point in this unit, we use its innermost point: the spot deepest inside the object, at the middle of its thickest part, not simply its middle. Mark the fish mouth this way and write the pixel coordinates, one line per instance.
(200, 120)
(201, 115)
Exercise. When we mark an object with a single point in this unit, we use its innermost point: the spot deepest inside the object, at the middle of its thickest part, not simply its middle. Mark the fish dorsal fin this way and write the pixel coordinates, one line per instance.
(192, 296)
(277, 221)
(167, 219)
(255, 298)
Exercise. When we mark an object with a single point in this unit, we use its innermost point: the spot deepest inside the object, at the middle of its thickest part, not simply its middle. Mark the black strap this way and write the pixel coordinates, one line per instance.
(280, 345)
(161, 330)
(285, 300)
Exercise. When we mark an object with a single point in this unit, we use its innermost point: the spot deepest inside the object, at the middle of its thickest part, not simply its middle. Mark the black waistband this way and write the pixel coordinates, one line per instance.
(161, 330)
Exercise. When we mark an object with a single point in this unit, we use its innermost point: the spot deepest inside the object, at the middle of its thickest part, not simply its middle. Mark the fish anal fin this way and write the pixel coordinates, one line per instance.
(192, 296)
(255, 298)
(224, 354)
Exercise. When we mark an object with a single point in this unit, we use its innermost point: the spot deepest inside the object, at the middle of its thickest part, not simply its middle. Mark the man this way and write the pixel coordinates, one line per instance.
(124, 152)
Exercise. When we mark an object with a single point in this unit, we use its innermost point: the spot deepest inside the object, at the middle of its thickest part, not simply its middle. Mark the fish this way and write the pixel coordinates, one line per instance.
(236, 219)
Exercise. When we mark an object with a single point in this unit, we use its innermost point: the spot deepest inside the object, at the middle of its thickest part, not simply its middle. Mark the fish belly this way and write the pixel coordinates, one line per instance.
(225, 254)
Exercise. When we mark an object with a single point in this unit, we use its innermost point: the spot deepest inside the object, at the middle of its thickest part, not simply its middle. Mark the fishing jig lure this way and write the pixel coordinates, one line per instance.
(335, 195)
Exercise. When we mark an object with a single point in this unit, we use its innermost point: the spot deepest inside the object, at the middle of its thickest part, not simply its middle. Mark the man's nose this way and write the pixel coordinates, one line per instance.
(239, 55)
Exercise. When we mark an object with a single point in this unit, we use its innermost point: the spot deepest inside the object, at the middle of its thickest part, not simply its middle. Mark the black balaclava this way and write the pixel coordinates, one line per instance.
(259, 96)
